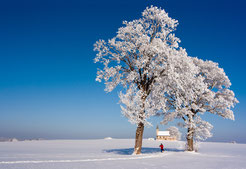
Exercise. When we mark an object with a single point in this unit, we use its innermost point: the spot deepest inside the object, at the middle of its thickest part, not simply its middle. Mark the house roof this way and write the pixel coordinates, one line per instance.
(163, 133)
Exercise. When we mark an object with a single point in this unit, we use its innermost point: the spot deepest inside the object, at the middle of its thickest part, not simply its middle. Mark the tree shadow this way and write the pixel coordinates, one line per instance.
(145, 150)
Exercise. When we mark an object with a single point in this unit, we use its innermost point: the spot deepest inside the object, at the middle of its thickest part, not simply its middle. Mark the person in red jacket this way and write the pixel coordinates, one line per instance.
(162, 147)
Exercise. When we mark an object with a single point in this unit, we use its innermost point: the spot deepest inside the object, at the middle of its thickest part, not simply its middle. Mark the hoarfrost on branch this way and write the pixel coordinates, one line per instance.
(159, 78)
(145, 58)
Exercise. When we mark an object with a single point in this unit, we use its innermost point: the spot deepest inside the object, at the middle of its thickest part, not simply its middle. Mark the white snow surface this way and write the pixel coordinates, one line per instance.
(117, 154)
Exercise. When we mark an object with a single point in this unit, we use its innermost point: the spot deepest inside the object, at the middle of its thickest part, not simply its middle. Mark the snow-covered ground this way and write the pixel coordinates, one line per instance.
(117, 154)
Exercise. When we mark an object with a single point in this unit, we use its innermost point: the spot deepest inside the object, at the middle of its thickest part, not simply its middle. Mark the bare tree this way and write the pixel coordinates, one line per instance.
(209, 92)
(146, 60)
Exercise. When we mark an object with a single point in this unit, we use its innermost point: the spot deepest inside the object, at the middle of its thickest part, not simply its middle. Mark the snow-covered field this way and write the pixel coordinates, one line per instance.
(117, 154)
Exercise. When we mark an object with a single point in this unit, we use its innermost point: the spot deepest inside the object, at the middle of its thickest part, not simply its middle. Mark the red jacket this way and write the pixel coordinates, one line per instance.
(161, 146)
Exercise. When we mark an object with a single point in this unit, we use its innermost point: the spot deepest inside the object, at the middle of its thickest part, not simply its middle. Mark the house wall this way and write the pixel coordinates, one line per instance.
(165, 138)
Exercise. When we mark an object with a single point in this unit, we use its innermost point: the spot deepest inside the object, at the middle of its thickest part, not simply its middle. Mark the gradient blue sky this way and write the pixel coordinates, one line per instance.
(47, 74)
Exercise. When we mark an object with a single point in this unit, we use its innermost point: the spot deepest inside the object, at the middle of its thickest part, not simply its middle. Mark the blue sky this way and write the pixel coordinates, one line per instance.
(47, 74)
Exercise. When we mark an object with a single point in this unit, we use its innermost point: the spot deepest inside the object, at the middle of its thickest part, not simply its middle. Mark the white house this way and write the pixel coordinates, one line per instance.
(163, 135)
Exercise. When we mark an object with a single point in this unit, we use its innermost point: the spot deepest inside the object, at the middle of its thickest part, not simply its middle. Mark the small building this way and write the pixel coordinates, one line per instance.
(164, 135)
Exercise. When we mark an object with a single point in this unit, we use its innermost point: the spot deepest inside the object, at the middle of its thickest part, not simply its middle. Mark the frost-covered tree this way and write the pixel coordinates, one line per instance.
(208, 92)
(146, 60)
(174, 132)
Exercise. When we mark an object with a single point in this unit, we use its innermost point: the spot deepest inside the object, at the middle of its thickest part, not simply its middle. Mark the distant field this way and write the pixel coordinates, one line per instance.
(117, 154)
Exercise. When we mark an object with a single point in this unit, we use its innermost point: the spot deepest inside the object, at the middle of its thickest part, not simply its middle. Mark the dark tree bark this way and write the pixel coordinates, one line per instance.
(140, 129)
(190, 146)
(139, 139)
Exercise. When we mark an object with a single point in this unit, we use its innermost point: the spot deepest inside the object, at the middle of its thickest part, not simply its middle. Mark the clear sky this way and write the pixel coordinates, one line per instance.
(47, 75)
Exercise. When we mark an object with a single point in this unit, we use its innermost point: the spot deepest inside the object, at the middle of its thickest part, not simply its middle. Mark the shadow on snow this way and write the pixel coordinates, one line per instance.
(145, 150)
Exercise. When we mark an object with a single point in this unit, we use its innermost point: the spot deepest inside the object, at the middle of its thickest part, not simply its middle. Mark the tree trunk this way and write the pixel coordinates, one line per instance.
(189, 138)
(139, 138)
(140, 128)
